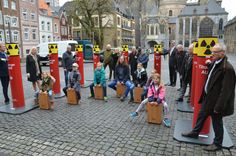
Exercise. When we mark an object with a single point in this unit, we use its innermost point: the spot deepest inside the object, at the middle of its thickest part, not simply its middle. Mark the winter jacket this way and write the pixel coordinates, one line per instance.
(74, 80)
(140, 78)
(67, 60)
(107, 57)
(143, 58)
(3, 65)
(99, 77)
(122, 73)
(156, 96)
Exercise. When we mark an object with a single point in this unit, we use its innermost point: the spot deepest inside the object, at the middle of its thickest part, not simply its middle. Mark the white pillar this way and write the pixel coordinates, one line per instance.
(183, 31)
(190, 30)
(198, 28)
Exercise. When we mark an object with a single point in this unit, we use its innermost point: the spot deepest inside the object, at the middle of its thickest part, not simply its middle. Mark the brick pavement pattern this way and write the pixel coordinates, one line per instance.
(98, 128)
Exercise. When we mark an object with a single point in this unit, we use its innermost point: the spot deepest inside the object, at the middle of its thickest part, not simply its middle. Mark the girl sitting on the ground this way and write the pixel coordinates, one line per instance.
(156, 94)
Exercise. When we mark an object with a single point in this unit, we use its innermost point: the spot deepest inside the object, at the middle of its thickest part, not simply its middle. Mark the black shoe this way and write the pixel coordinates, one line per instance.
(190, 135)
(168, 84)
(180, 100)
(179, 89)
(188, 101)
(212, 148)
(7, 102)
(131, 100)
(122, 98)
(173, 85)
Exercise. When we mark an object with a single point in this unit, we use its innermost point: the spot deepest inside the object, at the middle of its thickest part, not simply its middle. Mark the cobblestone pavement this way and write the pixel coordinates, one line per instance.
(98, 128)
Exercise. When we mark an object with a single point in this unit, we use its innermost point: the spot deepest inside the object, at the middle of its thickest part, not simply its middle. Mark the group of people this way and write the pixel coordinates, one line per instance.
(217, 97)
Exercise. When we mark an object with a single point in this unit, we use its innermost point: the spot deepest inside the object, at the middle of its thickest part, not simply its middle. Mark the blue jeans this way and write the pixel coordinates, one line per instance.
(103, 86)
(66, 73)
(129, 87)
(144, 94)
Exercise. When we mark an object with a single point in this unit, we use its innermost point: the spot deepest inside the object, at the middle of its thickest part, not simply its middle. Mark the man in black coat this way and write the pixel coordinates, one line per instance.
(4, 75)
(217, 97)
(172, 64)
(180, 55)
(186, 72)
(67, 61)
(133, 56)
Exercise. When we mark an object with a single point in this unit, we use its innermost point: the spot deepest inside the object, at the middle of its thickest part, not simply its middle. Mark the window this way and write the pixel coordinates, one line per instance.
(5, 3)
(34, 36)
(55, 28)
(33, 16)
(1, 17)
(221, 24)
(152, 30)
(42, 25)
(24, 14)
(14, 22)
(49, 38)
(43, 39)
(13, 5)
(1, 36)
(118, 20)
(48, 26)
(95, 21)
(7, 37)
(169, 30)
(7, 20)
(162, 28)
(170, 13)
(15, 36)
(26, 33)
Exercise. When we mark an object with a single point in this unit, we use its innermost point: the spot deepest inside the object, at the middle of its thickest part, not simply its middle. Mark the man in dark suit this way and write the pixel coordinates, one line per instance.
(186, 73)
(179, 62)
(4, 75)
(172, 64)
(217, 97)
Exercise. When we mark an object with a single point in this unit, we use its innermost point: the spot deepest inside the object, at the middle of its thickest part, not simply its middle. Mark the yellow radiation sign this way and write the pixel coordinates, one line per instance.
(52, 48)
(205, 46)
(96, 49)
(158, 48)
(79, 48)
(12, 49)
(125, 48)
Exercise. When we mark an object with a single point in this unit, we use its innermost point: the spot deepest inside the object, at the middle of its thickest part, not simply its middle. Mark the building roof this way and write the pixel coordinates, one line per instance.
(232, 21)
(44, 8)
(67, 6)
(212, 8)
(172, 20)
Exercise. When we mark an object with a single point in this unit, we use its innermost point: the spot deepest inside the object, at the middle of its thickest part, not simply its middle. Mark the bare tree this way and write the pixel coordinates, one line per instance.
(83, 12)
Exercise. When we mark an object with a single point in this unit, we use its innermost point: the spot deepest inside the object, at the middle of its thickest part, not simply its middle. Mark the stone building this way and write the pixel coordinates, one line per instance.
(29, 24)
(230, 35)
(10, 22)
(206, 18)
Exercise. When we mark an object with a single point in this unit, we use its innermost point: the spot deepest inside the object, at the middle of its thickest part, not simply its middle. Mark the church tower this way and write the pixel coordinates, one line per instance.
(171, 7)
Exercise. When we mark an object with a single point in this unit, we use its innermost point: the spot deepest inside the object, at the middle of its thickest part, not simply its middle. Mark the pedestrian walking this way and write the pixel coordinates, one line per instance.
(67, 61)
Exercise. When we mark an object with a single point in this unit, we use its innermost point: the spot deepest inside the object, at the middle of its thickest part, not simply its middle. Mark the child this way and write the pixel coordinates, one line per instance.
(46, 86)
(148, 82)
(122, 76)
(140, 76)
(100, 80)
(74, 81)
(156, 94)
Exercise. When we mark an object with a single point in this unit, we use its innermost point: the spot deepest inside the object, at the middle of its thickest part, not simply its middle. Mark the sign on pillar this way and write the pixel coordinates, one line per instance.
(96, 56)
(54, 68)
(204, 53)
(80, 62)
(125, 53)
(14, 68)
(157, 57)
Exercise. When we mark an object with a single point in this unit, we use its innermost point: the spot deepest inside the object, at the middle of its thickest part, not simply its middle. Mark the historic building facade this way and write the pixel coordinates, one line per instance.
(29, 24)
(10, 30)
(229, 35)
(206, 19)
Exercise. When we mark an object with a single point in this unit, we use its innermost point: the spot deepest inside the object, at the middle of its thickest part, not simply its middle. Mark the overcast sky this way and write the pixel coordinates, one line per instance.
(229, 6)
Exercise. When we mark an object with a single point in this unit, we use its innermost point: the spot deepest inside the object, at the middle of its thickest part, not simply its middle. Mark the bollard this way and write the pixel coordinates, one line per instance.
(203, 54)
(15, 75)
(96, 57)
(80, 62)
(54, 68)
(157, 57)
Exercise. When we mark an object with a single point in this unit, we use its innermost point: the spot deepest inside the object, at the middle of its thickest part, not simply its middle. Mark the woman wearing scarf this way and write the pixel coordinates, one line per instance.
(140, 76)
(33, 68)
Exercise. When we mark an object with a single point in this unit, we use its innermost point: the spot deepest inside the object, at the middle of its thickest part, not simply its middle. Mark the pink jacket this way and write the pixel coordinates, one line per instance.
(158, 95)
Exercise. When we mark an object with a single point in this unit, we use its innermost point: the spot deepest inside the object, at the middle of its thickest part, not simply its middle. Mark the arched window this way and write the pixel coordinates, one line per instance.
(169, 30)
(170, 13)
(221, 24)
(206, 27)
